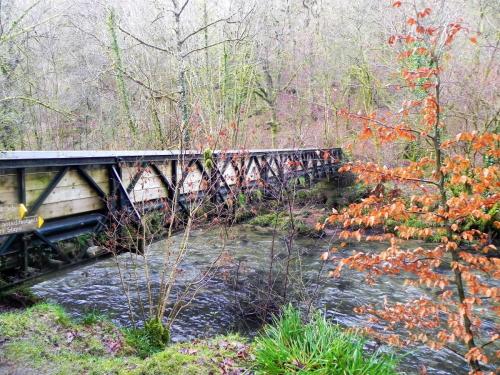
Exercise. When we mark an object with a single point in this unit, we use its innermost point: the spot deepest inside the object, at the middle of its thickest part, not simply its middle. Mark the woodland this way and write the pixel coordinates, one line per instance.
(409, 90)
(226, 74)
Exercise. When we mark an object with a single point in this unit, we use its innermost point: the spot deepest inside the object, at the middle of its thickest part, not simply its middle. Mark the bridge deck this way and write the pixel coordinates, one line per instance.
(17, 159)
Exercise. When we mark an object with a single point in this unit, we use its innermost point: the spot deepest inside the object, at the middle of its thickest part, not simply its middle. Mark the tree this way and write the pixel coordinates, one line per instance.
(18, 92)
(455, 201)
(118, 67)
(181, 50)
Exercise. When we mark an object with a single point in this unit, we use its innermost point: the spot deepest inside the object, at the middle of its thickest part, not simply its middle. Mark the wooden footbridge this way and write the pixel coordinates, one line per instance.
(77, 192)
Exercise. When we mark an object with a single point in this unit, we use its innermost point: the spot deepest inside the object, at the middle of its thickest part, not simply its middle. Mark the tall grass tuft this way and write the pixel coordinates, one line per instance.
(290, 346)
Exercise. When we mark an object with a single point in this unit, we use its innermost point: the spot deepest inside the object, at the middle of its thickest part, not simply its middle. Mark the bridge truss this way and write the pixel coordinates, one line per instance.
(77, 192)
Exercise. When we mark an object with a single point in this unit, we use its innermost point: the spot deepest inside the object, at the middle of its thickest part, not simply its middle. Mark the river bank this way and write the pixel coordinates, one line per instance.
(44, 339)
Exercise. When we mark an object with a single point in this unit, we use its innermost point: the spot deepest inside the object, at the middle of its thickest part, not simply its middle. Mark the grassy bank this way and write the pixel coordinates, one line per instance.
(43, 339)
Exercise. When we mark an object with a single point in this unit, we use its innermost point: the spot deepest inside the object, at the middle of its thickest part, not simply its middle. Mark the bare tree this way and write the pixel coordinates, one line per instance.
(182, 49)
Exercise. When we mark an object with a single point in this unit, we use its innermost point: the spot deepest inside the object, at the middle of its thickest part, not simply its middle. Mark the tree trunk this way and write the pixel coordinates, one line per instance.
(182, 85)
(441, 181)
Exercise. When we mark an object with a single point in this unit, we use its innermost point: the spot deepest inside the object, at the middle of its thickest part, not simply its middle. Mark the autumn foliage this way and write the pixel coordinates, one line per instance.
(452, 193)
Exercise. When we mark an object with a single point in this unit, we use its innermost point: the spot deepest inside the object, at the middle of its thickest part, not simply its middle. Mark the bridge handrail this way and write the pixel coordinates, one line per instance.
(27, 159)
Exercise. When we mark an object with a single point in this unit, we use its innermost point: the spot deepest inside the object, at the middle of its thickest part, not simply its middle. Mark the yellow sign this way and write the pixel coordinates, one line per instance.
(22, 211)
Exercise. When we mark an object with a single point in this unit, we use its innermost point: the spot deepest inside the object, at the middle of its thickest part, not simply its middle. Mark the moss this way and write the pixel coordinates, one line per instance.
(83, 241)
(282, 222)
(12, 324)
(150, 339)
(29, 352)
(270, 220)
(39, 356)
(169, 362)
(226, 354)
(59, 314)
(303, 229)
(43, 339)
(154, 223)
(243, 214)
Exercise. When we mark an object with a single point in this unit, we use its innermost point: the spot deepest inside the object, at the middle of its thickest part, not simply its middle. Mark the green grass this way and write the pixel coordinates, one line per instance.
(92, 317)
(319, 347)
(43, 339)
(221, 355)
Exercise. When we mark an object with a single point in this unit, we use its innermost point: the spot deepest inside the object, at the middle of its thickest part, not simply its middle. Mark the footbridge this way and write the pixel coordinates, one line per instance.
(77, 192)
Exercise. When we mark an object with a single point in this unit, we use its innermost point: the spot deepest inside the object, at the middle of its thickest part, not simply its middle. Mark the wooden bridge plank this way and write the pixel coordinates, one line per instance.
(38, 179)
(8, 197)
(62, 194)
(72, 187)
(192, 182)
(149, 180)
(61, 209)
(230, 175)
(142, 195)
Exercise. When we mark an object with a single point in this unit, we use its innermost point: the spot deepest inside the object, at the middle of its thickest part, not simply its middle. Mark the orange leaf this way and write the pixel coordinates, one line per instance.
(396, 4)
(365, 134)
(411, 21)
(473, 39)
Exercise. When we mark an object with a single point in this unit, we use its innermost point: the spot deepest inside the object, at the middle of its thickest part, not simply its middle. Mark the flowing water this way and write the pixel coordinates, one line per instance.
(217, 307)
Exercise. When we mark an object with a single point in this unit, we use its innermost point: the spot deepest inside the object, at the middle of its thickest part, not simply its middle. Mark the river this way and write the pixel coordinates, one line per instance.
(216, 309)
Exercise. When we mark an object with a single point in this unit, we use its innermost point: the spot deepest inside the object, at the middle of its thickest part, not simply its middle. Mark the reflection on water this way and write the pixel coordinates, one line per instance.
(97, 286)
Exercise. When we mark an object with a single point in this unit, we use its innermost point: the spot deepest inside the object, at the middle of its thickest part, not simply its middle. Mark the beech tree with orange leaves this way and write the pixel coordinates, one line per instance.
(454, 196)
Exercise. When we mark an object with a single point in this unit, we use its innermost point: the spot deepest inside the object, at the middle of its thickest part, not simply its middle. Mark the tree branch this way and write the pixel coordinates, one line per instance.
(210, 46)
(167, 50)
(400, 178)
(380, 123)
(182, 8)
(183, 40)
(159, 95)
(36, 101)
